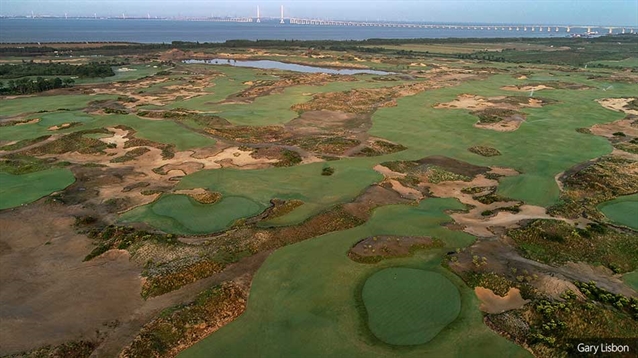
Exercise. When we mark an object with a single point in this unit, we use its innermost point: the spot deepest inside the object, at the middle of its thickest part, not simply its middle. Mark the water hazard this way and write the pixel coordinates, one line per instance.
(276, 65)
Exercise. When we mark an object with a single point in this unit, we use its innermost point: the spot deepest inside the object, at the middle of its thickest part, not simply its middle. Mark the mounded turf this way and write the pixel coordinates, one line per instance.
(622, 210)
(408, 306)
(182, 214)
(304, 300)
(16, 190)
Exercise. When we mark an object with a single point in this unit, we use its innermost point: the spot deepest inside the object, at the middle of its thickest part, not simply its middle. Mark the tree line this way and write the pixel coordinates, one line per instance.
(28, 85)
(89, 70)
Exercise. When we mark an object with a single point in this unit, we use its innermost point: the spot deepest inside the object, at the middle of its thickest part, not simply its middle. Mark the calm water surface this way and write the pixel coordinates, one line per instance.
(276, 65)
(166, 31)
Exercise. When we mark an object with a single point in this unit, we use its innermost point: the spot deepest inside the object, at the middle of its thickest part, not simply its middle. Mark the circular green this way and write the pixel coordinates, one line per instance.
(409, 306)
(622, 210)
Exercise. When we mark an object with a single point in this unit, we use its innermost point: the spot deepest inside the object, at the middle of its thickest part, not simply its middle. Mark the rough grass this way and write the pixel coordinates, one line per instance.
(495, 115)
(556, 242)
(24, 143)
(180, 326)
(549, 327)
(603, 180)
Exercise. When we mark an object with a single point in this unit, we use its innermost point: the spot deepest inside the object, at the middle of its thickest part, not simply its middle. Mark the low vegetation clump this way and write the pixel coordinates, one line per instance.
(380, 148)
(377, 248)
(24, 143)
(437, 175)
(172, 275)
(181, 326)
(282, 207)
(599, 181)
(484, 151)
(491, 198)
(327, 171)
(250, 134)
(206, 197)
(73, 142)
(549, 327)
(557, 242)
(632, 105)
(121, 238)
(401, 166)
(499, 284)
(629, 147)
(289, 158)
(168, 150)
(131, 155)
(325, 145)
(477, 189)
(75, 349)
(21, 164)
(204, 120)
(495, 115)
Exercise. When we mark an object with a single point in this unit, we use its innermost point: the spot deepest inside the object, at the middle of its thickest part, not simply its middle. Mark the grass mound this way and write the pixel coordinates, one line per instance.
(495, 115)
(484, 151)
(409, 306)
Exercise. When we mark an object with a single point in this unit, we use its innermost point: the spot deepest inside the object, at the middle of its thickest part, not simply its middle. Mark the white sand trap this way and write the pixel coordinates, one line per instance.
(387, 172)
(526, 88)
(617, 104)
(493, 303)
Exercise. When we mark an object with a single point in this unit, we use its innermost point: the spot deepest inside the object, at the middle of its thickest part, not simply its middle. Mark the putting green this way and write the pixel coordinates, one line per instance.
(622, 210)
(16, 190)
(181, 214)
(408, 306)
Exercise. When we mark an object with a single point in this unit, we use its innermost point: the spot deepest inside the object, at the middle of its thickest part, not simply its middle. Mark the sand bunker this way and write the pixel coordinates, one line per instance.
(526, 88)
(618, 104)
(493, 303)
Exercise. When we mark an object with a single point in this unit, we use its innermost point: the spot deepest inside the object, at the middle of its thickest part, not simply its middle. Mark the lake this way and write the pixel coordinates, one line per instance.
(276, 65)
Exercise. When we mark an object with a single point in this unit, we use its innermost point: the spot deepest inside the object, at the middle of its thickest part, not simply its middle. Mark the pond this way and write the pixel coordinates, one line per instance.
(276, 65)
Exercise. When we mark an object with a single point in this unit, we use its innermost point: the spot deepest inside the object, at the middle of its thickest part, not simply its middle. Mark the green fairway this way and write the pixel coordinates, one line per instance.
(16, 190)
(162, 131)
(427, 131)
(181, 214)
(628, 62)
(303, 183)
(631, 279)
(408, 306)
(303, 300)
(622, 210)
(26, 104)
(248, 192)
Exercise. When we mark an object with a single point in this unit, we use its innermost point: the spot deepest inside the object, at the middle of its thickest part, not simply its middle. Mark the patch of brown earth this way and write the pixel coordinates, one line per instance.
(47, 294)
(376, 248)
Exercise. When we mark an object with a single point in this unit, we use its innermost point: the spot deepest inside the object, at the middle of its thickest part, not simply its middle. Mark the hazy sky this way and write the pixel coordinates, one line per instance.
(594, 12)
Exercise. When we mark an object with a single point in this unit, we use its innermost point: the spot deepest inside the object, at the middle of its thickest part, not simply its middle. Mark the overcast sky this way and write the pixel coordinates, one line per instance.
(593, 12)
